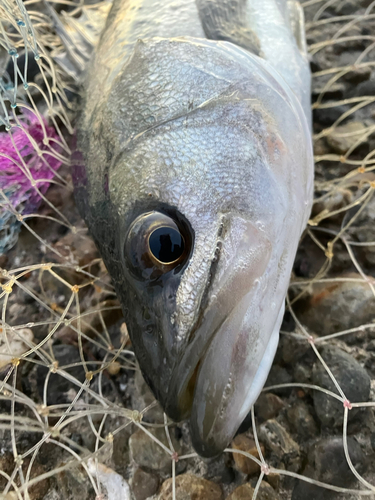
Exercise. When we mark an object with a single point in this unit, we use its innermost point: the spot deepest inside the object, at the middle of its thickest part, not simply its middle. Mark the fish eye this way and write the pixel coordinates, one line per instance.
(166, 244)
(156, 244)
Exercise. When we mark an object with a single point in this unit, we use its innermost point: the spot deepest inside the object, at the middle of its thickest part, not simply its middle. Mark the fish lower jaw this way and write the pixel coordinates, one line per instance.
(214, 421)
(215, 386)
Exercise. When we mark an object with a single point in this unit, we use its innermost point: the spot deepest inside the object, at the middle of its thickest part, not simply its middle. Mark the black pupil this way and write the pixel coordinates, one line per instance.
(166, 244)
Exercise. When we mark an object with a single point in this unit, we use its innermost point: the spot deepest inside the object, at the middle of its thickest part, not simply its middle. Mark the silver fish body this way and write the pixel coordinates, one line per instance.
(203, 138)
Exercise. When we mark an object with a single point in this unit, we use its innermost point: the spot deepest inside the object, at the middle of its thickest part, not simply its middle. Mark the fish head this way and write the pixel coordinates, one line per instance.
(206, 208)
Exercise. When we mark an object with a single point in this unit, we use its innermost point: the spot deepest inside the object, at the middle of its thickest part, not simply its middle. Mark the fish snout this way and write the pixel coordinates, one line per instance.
(233, 342)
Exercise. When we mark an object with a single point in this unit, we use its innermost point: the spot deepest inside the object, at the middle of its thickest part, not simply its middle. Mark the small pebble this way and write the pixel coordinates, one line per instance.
(338, 306)
(343, 137)
(245, 464)
(148, 454)
(120, 450)
(352, 378)
(328, 116)
(17, 343)
(189, 487)
(114, 368)
(243, 492)
(279, 375)
(268, 406)
(114, 484)
(302, 372)
(292, 348)
(366, 88)
(281, 444)
(73, 483)
(301, 420)
(36, 491)
(358, 74)
(246, 491)
(266, 492)
(144, 484)
(273, 478)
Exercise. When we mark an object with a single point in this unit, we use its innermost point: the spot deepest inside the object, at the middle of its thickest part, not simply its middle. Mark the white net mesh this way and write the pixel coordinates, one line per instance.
(70, 390)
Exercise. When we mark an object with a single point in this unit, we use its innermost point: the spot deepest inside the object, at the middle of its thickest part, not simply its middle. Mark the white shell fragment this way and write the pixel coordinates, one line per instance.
(115, 485)
(13, 344)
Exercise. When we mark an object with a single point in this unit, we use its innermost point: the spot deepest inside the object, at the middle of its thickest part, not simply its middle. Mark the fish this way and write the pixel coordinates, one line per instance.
(193, 171)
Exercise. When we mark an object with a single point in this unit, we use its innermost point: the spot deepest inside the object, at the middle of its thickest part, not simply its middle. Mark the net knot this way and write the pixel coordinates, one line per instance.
(136, 416)
(329, 251)
(7, 287)
(54, 366)
(347, 404)
(43, 410)
(265, 469)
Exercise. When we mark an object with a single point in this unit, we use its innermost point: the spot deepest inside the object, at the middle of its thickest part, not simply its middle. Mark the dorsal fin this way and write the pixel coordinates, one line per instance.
(78, 36)
(226, 20)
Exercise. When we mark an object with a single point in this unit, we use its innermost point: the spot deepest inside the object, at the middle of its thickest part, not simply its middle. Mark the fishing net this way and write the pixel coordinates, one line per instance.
(76, 419)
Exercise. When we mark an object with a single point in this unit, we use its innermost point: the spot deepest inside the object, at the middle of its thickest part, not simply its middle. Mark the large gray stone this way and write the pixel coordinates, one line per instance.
(147, 453)
(338, 306)
(350, 375)
(326, 462)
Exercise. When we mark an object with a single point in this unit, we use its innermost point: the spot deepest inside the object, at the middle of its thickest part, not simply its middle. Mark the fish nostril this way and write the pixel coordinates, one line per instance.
(150, 329)
(146, 314)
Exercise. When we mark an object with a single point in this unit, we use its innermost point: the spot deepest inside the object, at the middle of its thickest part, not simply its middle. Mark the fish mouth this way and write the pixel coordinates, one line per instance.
(217, 384)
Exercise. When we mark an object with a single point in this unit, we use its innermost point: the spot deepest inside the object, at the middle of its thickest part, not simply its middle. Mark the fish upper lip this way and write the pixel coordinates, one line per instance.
(172, 389)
